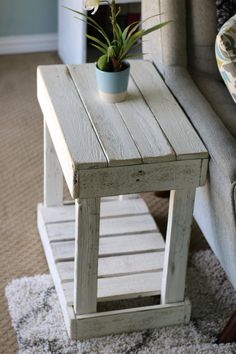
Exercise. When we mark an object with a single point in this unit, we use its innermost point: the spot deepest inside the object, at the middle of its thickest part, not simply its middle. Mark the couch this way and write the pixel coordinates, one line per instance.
(183, 52)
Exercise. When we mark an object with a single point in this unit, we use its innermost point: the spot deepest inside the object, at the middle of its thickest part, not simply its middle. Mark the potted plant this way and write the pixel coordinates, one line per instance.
(112, 67)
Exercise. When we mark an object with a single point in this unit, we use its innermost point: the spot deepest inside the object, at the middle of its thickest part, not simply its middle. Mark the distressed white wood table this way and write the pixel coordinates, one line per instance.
(104, 248)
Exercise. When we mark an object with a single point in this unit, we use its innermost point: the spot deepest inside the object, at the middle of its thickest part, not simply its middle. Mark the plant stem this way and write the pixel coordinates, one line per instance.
(113, 17)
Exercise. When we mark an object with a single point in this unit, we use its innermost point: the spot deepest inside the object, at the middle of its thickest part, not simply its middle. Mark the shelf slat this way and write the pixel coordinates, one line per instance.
(109, 207)
(132, 224)
(131, 249)
(125, 287)
(118, 265)
(111, 246)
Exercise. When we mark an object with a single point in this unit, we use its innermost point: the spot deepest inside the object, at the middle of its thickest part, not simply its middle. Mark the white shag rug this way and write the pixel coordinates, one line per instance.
(38, 322)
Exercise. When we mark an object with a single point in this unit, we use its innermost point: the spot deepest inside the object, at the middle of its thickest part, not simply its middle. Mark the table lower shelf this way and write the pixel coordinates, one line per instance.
(131, 254)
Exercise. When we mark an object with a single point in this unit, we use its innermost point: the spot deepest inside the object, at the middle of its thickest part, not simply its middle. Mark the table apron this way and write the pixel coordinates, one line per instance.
(138, 178)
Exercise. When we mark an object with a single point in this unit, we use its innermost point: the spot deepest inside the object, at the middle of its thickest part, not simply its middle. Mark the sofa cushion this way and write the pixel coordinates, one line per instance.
(225, 48)
(201, 35)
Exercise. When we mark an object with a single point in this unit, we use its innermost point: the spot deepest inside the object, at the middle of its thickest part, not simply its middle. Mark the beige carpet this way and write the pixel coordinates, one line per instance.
(21, 176)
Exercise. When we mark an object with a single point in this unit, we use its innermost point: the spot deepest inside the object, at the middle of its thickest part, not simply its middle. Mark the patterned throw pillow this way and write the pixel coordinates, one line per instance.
(224, 10)
(225, 49)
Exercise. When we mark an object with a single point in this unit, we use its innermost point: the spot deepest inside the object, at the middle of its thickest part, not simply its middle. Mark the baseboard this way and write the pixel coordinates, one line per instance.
(28, 43)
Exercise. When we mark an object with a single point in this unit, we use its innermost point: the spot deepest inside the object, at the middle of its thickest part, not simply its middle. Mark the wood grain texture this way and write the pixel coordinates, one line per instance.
(178, 130)
(142, 125)
(143, 144)
(113, 246)
(87, 216)
(66, 117)
(118, 265)
(113, 206)
(123, 207)
(53, 177)
(111, 130)
(177, 245)
(137, 178)
(66, 311)
(125, 225)
(130, 224)
(121, 287)
(104, 323)
(130, 320)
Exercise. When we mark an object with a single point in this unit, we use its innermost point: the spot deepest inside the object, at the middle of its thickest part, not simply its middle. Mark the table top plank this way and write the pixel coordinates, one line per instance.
(61, 104)
(171, 118)
(143, 127)
(108, 124)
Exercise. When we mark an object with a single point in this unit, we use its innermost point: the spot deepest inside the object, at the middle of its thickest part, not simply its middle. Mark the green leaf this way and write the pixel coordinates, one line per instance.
(118, 33)
(116, 47)
(130, 43)
(105, 46)
(126, 30)
(137, 35)
(137, 55)
(119, 30)
(91, 22)
(130, 36)
(154, 28)
(99, 48)
(137, 24)
(148, 18)
(110, 52)
(102, 62)
(122, 41)
(93, 26)
(118, 12)
(133, 30)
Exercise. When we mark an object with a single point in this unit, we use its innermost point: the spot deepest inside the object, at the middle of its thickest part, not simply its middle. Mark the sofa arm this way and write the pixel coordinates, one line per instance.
(217, 139)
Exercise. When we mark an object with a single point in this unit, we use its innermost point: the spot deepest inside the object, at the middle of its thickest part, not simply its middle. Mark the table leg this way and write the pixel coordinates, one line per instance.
(86, 255)
(53, 177)
(177, 245)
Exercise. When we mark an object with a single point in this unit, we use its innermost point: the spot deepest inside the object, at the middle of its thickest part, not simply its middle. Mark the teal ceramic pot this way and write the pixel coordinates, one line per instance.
(112, 86)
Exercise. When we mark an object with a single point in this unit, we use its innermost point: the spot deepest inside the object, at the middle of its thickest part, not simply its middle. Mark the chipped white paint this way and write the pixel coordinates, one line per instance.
(87, 216)
(53, 177)
(143, 144)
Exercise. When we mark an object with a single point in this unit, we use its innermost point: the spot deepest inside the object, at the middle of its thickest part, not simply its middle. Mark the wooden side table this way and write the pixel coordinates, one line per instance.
(105, 248)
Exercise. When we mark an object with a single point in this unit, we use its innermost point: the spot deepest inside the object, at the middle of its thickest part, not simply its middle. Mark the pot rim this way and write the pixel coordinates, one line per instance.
(127, 66)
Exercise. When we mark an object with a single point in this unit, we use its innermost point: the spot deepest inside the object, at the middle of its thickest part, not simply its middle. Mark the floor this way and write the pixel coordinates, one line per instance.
(21, 176)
